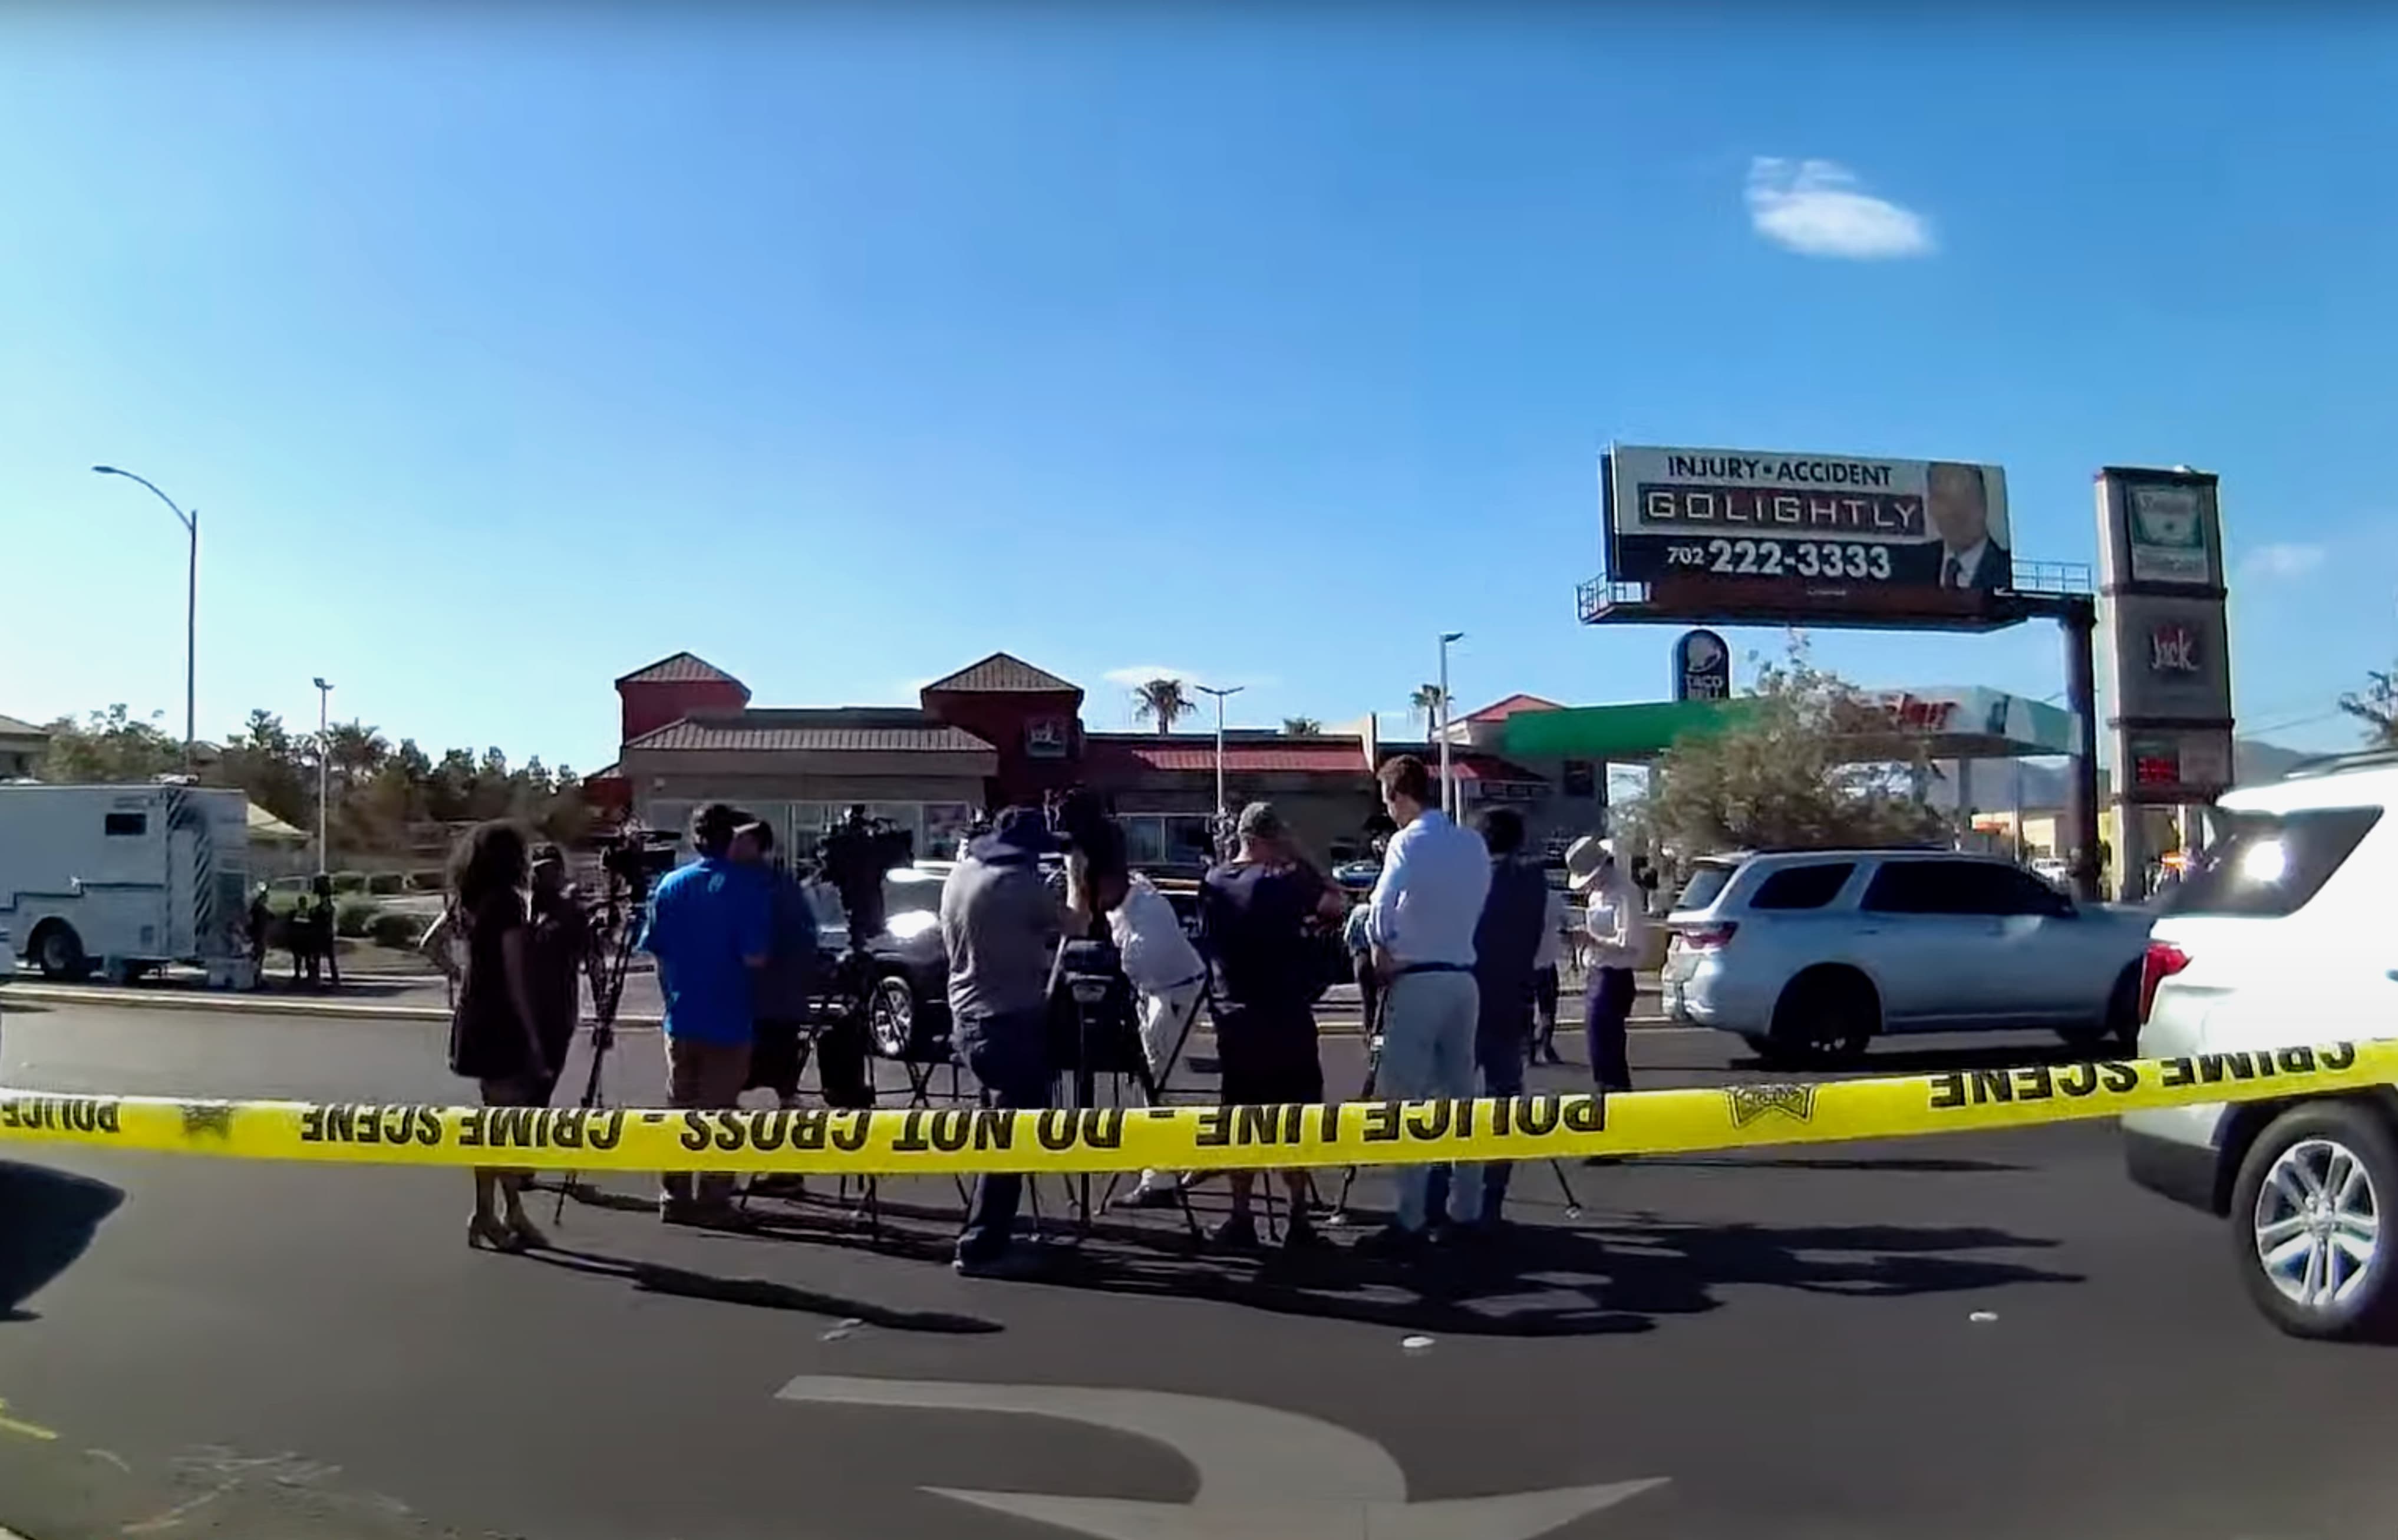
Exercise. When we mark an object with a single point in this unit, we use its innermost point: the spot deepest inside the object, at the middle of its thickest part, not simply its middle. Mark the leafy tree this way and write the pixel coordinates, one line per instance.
(1806, 761)
(1427, 699)
(2376, 706)
(1162, 701)
(1301, 727)
(382, 799)
(110, 746)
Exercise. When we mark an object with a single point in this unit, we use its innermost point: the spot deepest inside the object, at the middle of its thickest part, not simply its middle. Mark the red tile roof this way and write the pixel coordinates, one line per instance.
(1490, 767)
(1500, 711)
(841, 729)
(680, 668)
(1196, 753)
(1002, 673)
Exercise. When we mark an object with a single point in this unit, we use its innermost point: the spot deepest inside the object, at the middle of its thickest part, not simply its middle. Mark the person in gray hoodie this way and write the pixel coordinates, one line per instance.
(779, 992)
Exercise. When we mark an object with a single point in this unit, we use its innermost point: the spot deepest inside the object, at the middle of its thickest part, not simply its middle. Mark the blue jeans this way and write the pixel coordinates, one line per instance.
(1502, 1075)
(1008, 1055)
(1428, 1052)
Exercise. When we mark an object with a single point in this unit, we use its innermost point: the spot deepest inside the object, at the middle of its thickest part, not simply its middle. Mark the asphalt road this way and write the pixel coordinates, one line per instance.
(1715, 1347)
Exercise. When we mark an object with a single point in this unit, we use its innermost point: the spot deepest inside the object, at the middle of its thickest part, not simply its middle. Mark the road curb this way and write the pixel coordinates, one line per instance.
(245, 1005)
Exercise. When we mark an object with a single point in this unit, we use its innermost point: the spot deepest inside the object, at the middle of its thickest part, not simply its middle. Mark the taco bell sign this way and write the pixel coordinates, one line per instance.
(1701, 667)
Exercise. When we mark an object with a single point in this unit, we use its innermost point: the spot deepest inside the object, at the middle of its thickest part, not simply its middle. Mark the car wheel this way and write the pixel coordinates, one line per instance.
(2306, 1220)
(1829, 1015)
(890, 1015)
(59, 952)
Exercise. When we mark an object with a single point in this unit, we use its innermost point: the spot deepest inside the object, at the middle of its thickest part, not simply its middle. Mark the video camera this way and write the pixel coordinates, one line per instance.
(637, 857)
(857, 853)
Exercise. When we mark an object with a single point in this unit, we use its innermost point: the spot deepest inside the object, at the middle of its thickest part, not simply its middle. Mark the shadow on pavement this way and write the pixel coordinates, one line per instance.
(761, 1294)
(1532, 1281)
(48, 1220)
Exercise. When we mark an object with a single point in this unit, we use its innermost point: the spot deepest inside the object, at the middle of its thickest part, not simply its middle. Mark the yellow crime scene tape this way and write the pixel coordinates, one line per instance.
(895, 1141)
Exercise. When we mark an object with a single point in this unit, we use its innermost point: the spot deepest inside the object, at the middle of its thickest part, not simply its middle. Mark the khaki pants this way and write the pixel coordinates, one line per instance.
(703, 1075)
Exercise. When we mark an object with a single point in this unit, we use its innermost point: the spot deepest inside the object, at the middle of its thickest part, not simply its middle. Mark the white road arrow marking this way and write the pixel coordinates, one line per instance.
(1263, 1474)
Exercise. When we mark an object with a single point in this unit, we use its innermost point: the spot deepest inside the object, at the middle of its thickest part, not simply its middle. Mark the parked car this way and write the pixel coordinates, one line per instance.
(1818, 951)
(2279, 934)
(909, 1011)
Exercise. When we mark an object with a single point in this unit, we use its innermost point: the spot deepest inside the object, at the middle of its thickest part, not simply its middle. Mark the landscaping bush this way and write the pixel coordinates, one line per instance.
(281, 902)
(354, 915)
(349, 882)
(397, 931)
(383, 884)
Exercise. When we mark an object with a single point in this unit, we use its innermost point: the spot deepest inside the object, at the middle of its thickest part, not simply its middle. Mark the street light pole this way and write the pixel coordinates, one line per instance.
(324, 760)
(191, 522)
(1211, 690)
(1448, 774)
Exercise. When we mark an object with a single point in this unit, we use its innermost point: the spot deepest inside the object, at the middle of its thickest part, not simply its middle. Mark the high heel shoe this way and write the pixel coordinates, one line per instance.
(483, 1230)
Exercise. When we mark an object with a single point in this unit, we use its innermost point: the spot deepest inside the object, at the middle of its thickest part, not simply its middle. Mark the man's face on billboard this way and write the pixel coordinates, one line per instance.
(1953, 501)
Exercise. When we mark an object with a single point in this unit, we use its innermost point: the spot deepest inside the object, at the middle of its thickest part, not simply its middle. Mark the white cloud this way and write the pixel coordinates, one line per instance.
(1817, 209)
(2282, 561)
(1139, 674)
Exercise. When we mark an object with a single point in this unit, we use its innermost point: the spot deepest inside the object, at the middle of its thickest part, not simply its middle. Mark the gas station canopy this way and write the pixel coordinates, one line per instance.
(1965, 722)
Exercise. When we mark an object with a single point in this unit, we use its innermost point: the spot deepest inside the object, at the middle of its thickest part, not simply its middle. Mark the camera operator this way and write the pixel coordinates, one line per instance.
(780, 991)
(1166, 973)
(561, 938)
(999, 926)
(1255, 914)
(710, 925)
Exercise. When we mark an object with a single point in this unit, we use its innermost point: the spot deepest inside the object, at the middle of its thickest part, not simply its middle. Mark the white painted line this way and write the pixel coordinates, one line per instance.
(1265, 1474)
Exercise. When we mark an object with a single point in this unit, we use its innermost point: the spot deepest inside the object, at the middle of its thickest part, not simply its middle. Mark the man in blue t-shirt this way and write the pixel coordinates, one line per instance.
(710, 923)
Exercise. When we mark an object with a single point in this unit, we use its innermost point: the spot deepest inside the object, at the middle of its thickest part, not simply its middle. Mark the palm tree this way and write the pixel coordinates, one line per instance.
(1427, 700)
(1162, 701)
(1301, 727)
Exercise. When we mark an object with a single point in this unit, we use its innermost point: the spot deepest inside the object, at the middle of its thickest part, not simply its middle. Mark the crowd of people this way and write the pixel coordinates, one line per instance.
(1456, 954)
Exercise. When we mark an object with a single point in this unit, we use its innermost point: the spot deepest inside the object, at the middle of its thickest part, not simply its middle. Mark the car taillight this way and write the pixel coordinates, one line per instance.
(1707, 937)
(2162, 961)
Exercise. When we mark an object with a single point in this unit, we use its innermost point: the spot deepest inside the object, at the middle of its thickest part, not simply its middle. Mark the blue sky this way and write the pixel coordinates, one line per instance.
(503, 355)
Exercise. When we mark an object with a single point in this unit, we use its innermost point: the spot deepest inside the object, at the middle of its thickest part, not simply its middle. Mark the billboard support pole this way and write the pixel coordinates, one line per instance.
(2079, 620)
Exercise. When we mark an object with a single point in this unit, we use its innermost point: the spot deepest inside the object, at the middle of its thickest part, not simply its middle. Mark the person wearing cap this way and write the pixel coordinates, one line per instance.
(709, 926)
(1617, 923)
(1426, 905)
(560, 939)
(999, 926)
(1255, 911)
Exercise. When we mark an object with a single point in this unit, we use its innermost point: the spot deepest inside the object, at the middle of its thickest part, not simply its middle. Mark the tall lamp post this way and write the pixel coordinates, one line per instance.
(191, 522)
(324, 781)
(1230, 690)
(1448, 775)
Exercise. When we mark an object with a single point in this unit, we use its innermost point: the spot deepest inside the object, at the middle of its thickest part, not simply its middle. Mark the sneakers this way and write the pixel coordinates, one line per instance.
(1391, 1241)
(1238, 1233)
(1012, 1261)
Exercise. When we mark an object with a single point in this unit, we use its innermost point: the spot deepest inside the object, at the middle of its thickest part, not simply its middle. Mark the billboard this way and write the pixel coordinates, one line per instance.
(1829, 528)
(2166, 659)
(2159, 529)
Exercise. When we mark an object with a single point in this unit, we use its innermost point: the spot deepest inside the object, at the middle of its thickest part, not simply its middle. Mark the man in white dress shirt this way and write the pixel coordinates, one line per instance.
(1420, 922)
(1957, 504)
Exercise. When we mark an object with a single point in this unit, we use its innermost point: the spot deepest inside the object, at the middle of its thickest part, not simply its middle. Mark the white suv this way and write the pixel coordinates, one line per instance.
(2284, 932)
(1815, 951)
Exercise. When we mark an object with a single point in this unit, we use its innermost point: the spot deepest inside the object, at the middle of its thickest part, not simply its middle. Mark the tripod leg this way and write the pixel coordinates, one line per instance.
(1573, 1203)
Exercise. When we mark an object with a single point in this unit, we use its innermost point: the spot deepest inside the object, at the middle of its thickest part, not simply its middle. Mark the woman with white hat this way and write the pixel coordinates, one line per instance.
(1618, 925)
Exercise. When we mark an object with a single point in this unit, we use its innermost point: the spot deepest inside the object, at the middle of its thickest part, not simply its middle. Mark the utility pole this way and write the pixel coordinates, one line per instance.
(191, 522)
(1448, 774)
(1222, 810)
(324, 777)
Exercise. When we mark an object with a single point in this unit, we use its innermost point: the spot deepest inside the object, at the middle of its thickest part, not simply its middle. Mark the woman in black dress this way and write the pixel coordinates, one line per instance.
(494, 1035)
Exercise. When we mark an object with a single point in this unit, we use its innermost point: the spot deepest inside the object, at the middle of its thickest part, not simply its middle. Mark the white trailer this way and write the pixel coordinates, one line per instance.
(125, 879)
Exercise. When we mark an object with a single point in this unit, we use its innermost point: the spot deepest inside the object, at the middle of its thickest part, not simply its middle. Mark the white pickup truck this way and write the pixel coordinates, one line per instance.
(1815, 952)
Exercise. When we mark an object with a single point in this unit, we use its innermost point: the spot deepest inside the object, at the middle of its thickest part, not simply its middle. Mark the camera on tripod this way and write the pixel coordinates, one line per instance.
(857, 853)
(637, 857)
(1093, 1013)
